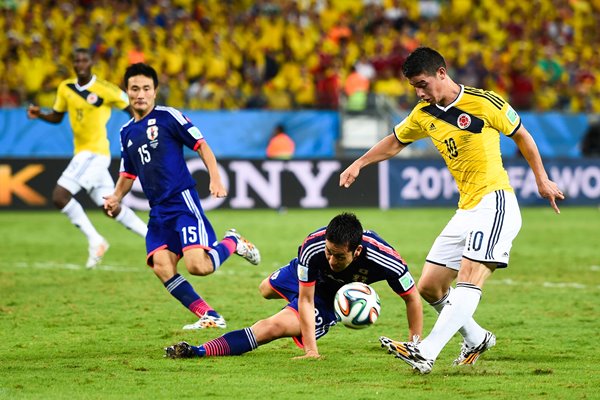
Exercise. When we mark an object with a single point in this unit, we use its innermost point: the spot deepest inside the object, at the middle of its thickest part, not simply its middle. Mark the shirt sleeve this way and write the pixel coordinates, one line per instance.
(185, 130)
(117, 97)
(409, 130)
(60, 104)
(126, 168)
(402, 285)
(505, 120)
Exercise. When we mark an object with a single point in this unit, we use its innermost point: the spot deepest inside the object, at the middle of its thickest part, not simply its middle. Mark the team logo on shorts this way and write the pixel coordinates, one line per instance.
(92, 98)
(152, 132)
(463, 121)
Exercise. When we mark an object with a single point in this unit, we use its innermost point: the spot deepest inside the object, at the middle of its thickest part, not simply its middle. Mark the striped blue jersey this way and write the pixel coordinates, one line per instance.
(152, 150)
(378, 261)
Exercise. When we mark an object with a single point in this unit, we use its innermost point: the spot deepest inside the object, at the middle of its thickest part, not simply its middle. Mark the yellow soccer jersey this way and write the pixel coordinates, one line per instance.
(89, 110)
(467, 135)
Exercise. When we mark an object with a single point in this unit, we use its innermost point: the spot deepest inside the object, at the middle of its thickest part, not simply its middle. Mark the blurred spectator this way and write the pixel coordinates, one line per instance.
(281, 146)
(532, 52)
(356, 89)
(8, 98)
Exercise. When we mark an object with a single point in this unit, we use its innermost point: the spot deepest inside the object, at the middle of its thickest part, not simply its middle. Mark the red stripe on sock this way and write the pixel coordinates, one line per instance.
(230, 244)
(200, 307)
(217, 347)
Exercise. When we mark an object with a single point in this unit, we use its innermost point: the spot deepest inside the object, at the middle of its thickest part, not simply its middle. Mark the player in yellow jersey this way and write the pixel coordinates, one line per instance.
(88, 101)
(465, 125)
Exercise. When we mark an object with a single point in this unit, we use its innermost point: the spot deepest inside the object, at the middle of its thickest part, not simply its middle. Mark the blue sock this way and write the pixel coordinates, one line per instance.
(199, 350)
(181, 289)
(222, 251)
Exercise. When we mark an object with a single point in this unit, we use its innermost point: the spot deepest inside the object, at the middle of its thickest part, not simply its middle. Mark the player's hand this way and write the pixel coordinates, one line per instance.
(349, 175)
(217, 189)
(33, 112)
(549, 190)
(111, 204)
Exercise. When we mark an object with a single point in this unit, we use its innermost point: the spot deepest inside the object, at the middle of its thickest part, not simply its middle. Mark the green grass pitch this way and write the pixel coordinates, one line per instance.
(66, 332)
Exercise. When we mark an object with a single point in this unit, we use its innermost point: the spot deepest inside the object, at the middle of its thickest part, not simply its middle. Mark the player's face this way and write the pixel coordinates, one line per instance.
(142, 93)
(82, 65)
(430, 87)
(339, 256)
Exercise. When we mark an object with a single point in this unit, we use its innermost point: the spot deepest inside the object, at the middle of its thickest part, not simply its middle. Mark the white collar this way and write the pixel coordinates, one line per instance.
(87, 85)
(460, 93)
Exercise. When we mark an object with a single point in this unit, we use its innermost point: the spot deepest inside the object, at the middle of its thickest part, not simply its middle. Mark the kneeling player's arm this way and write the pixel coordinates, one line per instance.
(306, 309)
(414, 313)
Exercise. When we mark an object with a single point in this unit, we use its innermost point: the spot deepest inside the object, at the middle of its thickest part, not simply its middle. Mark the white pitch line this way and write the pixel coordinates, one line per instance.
(552, 285)
(76, 267)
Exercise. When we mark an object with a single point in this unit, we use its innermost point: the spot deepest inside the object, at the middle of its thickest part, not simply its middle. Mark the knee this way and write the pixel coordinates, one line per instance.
(200, 267)
(431, 291)
(163, 272)
(270, 329)
(265, 289)
(60, 199)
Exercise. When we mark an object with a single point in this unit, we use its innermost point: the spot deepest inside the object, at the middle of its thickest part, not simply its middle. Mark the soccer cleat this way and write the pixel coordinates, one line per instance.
(96, 253)
(207, 322)
(469, 355)
(180, 350)
(409, 352)
(244, 247)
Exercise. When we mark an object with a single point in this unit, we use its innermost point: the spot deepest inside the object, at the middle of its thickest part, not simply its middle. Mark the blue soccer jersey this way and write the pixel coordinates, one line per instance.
(152, 150)
(378, 261)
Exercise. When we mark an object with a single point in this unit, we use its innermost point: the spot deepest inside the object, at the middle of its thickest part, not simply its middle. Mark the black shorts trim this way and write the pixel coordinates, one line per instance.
(498, 264)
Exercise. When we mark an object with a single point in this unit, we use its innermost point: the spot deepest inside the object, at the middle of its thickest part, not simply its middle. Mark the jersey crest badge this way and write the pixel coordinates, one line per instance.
(152, 132)
(92, 98)
(463, 121)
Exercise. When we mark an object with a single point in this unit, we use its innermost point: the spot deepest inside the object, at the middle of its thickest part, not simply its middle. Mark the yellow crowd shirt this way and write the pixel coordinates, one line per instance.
(89, 108)
(467, 135)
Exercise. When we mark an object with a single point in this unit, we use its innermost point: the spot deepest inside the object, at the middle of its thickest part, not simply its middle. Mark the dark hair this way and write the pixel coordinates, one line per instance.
(141, 69)
(423, 60)
(343, 229)
(82, 50)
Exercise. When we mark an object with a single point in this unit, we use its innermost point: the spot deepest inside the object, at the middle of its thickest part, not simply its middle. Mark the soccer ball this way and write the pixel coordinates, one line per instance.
(357, 305)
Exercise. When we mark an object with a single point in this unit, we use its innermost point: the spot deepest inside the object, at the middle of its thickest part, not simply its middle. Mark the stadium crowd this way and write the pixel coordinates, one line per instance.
(288, 54)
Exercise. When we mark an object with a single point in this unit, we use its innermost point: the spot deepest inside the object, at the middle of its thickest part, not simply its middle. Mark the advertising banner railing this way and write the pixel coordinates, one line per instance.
(28, 183)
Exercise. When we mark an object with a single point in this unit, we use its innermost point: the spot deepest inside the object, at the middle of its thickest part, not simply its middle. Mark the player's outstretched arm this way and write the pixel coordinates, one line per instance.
(34, 112)
(306, 309)
(215, 187)
(386, 148)
(414, 314)
(547, 188)
(113, 201)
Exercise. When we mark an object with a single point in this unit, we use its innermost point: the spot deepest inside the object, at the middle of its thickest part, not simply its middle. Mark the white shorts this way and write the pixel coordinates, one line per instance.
(484, 233)
(88, 171)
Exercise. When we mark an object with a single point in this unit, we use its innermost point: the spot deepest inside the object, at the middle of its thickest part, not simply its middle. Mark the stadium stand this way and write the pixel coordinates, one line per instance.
(289, 54)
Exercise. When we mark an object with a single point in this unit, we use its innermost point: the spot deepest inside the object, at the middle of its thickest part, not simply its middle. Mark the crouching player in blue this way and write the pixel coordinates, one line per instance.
(152, 150)
(327, 259)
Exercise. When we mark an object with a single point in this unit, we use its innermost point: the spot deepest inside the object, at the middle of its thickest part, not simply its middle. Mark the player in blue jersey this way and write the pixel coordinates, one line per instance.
(328, 258)
(152, 150)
